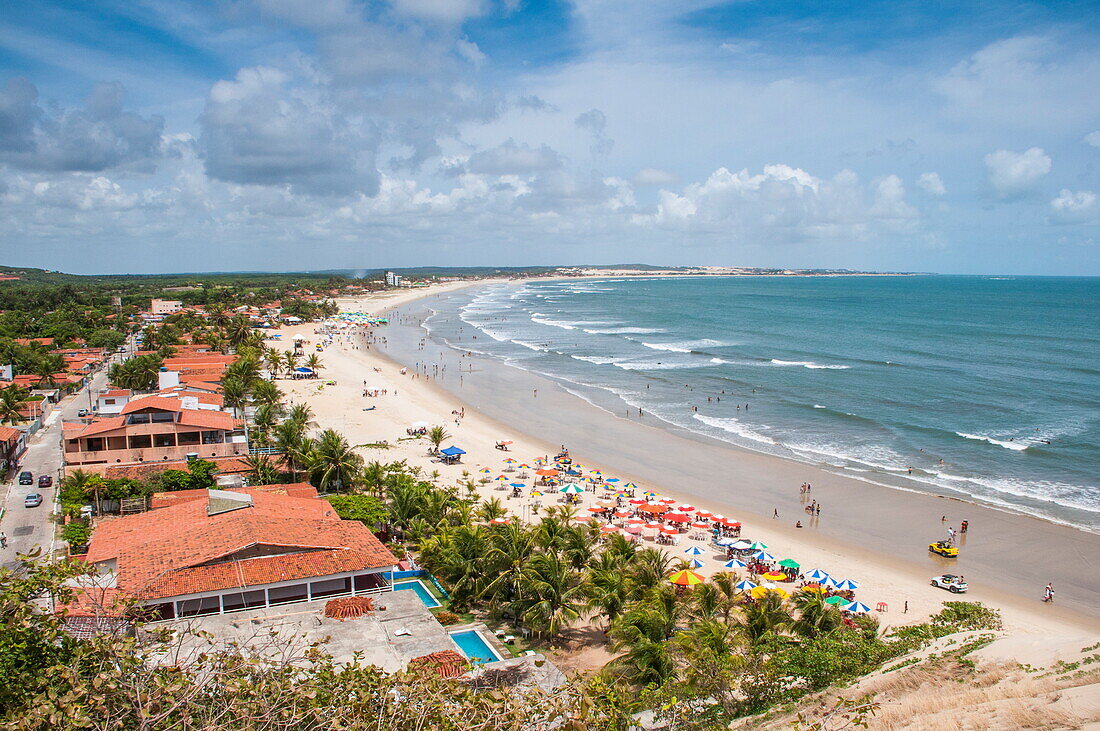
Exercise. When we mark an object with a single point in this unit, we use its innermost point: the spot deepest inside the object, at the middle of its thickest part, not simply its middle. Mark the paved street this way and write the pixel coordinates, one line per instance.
(28, 528)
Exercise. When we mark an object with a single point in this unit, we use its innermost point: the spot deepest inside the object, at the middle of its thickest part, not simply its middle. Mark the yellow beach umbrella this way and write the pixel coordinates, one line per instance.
(686, 578)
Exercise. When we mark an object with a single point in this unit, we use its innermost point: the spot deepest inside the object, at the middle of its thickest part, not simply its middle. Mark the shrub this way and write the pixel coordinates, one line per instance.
(76, 533)
(446, 618)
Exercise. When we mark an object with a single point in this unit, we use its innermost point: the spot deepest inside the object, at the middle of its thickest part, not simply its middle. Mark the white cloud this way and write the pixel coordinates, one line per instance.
(1093, 138)
(595, 122)
(440, 11)
(653, 176)
(930, 183)
(1016, 174)
(511, 157)
(1082, 206)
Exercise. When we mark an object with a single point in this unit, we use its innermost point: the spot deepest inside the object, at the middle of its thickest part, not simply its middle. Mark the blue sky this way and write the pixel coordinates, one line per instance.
(153, 135)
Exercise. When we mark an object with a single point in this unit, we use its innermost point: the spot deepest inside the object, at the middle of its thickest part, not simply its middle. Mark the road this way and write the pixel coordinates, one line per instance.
(30, 528)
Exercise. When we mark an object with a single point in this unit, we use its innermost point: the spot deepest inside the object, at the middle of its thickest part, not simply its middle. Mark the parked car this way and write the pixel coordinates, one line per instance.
(82, 413)
(33, 500)
(954, 584)
(943, 548)
(26, 478)
(45, 481)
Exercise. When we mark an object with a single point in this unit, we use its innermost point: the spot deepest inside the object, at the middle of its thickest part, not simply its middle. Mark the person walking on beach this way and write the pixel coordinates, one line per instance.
(775, 513)
(3, 539)
(1048, 594)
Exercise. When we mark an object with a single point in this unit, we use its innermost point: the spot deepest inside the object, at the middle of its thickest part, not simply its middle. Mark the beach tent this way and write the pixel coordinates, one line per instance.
(694, 551)
(686, 578)
(857, 608)
(454, 452)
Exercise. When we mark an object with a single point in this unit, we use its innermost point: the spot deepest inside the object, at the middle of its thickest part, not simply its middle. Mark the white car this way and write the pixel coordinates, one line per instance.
(954, 584)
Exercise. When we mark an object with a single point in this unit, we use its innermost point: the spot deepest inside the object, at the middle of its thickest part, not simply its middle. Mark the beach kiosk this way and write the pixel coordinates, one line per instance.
(451, 455)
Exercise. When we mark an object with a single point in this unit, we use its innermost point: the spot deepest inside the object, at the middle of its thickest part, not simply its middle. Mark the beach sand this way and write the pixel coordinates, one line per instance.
(873, 534)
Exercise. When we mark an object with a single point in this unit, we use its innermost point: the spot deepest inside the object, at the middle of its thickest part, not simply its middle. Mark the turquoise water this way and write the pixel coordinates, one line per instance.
(421, 591)
(986, 387)
(474, 647)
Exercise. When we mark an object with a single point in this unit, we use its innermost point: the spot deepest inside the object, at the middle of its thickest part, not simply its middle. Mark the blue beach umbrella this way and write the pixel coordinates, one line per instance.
(630, 486)
(817, 575)
(694, 551)
(857, 608)
(745, 585)
(695, 563)
(764, 556)
(735, 564)
(846, 585)
(612, 480)
(516, 484)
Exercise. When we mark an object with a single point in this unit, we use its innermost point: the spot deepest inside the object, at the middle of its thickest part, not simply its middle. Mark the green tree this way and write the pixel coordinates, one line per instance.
(333, 462)
(367, 509)
(437, 435)
(11, 399)
(551, 594)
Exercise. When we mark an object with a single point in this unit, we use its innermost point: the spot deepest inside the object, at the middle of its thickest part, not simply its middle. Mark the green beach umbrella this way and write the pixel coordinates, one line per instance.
(571, 489)
(789, 563)
(836, 600)
(758, 546)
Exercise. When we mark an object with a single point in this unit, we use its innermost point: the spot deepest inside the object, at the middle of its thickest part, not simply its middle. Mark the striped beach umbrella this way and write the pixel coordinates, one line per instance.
(758, 546)
(735, 564)
(817, 575)
(694, 551)
(857, 608)
(745, 585)
(846, 585)
(686, 578)
(764, 556)
(695, 563)
(630, 486)
(485, 471)
(571, 489)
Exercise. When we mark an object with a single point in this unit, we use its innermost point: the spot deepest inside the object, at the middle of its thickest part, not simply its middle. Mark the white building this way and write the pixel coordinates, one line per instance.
(393, 279)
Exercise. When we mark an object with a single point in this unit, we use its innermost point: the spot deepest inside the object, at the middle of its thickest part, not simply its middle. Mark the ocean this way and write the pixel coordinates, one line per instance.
(984, 388)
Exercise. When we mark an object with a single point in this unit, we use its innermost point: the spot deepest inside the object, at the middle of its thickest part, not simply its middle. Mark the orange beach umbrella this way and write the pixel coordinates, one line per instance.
(686, 578)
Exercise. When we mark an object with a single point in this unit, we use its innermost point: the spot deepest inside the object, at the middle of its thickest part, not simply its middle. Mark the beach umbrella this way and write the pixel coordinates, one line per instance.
(609, 528)
(653, 526)
(669, 530)
(695, 563)
(485, 471)
(525, 466)
(686, 578)
(728, 523)
(536, 493)
(857, 608)
(509, 461)
(571, 489)
(717, 518)
(694, 551)
(701, 526)
(596, 472)
(622, 513)
(813, 587)
(704, 514)
(649, 493)
(547, 473)
(605, 503)
(667, 501)
(774, 576)
(677, 518)
(499, 521)
(789, 563)
(637, 501)
(634, 529)
(612, 479)
(846, 585)
(635, 521)
(652, 509)
(760, 592)
(741, 545)
(745, 585)
(726, 541)
(817, 575)
(764, 556)
(686, 508)
(834, 600)
(582, 518)
(735, 564)
(501, 478)
(630, 486)
(516, 484)
(758, 546)
(595, 509)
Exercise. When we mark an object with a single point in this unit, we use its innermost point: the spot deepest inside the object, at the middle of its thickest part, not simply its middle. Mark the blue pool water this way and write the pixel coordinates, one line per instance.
(421, 591)
(474, 647)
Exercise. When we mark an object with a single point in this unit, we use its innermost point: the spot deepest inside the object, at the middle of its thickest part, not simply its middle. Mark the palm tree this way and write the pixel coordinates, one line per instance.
(44, 369)
(264, 421)
(11, 398)
(551, 594)
(458, 557)
(273, 361)
(728, 595)
(649, 569)
(580, 544)
(437, 435)
(235, 394)
(510, 547)
(374, 477)
(643, 632)
(313, 362)
(246, 369)
(406, 500)
(300, 414)
(290, 361)
(815, 616)
(262, 469)
(608, 589)
(238, 330)
(333, 462)
(764, 617)
(266, 392)
(491, 510)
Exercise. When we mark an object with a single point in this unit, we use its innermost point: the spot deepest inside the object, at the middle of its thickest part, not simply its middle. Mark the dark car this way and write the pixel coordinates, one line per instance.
(82, 413)
(45, 481)
(26, 478)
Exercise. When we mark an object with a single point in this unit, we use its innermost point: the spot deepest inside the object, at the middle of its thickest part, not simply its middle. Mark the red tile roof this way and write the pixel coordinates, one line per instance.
(181, 549)
(152, 402)
(144, 470)
(168, 499)
(9, 434)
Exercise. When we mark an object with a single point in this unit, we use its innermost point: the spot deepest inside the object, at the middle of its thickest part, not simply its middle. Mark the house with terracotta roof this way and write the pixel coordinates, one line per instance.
(217, 551)
(112, 400)
(155, 429)
(13, 443)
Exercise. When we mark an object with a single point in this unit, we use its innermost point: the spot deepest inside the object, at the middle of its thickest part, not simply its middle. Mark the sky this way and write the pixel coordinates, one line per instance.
(289, 135)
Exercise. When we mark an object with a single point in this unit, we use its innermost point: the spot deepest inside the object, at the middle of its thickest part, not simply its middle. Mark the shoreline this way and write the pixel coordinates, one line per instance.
(887, 575)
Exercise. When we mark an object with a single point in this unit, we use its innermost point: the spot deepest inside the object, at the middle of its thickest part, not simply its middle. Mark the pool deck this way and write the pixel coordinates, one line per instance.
(375, 637)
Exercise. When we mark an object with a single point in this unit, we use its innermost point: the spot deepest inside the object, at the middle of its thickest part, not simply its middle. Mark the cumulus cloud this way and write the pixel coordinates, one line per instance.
(653, 176)
(513, 158)
(595, 122)
(1093, 138)
(783, 204)
(1016, 174)
(101, 136)
(257, 129)
(1082, 206)
(931, 184)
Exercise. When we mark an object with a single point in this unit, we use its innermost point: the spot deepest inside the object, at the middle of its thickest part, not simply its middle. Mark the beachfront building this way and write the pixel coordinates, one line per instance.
(155, 428)
(112, 401)
(393, 279)
(202, 552)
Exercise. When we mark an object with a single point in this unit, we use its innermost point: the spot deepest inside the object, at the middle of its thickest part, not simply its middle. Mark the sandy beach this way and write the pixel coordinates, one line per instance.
(866, 532)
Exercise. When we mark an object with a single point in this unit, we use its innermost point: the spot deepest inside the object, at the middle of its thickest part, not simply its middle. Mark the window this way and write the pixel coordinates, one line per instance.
(137, 419)
(157, 612)
(164, 440)
(93, 444)
(330, 587)
(287, 594)
(187, 438)
(196, 607)
(244, 600)
(110, 401)
(162, 417)
(141, 441)
(368, 581)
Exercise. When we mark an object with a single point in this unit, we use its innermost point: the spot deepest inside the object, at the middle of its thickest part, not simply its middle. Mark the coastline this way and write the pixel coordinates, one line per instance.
(873, 534)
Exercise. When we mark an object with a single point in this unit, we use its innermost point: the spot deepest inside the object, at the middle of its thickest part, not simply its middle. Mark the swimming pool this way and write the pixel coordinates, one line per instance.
(421, 591)
(474, 646)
